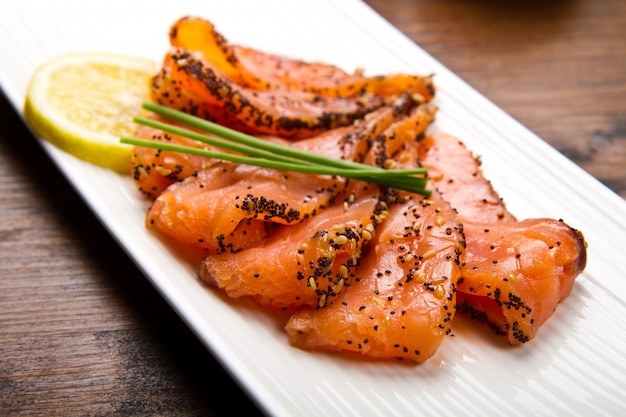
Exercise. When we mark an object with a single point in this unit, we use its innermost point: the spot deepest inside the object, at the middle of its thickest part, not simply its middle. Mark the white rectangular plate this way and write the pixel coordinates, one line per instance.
(576, 366)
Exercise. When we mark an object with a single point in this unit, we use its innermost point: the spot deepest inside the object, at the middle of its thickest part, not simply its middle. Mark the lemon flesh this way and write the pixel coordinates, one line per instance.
(84, 102)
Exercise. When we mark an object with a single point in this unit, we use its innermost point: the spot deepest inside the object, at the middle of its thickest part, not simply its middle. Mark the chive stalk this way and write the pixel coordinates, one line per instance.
(253, 151)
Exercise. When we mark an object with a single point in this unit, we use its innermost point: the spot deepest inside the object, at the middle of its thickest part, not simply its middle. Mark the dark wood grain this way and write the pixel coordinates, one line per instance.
(82, 332)
(559, 67)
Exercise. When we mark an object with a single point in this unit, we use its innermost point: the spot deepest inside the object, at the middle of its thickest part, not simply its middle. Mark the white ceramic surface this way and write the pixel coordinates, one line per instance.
(576, 366)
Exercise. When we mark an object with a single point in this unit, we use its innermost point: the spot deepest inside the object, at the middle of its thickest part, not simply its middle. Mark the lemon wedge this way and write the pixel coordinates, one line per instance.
(84, 102)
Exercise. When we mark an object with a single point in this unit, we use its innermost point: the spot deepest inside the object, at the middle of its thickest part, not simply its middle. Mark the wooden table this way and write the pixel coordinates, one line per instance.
(82, 332)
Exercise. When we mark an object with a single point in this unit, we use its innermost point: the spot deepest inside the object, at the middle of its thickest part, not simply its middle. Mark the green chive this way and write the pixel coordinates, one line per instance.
(257, 152)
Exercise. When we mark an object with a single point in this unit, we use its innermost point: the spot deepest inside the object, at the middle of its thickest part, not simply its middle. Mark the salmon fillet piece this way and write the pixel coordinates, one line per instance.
(190, 83)
(222, 207)
(263, 71)
(515, 273)
(153, 170)
(456, 173)
(304, 264)
(402, 297)
(307, 265)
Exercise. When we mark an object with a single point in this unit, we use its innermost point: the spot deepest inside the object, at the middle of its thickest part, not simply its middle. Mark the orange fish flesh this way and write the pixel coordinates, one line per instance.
(213, 209)
(263, 71)
(514, 273)
(401, 301)
(190, 83)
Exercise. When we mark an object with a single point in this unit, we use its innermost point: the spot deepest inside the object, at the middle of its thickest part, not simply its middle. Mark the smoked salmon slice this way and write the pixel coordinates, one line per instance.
(190, 83)
(402, 298)
(308, 266)
(457, 175)
(304, 264)
(212, 209)
(263, 71)
(154, 170)
(515, 273)
(206, 209)
(401, 301)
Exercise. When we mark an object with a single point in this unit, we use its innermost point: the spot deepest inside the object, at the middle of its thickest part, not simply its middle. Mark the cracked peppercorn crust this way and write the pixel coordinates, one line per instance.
(402, 297)
(264, 71)
(189, 83)
(213, 209)
(304, 264)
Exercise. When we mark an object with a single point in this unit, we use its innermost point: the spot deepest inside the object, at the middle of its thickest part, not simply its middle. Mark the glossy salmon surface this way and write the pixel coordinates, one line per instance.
(190, 83)
(308, 264)
(263, 71)
(402, 298)
(456, 173)
(153, 170)
(515, 273)
(213, 209)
